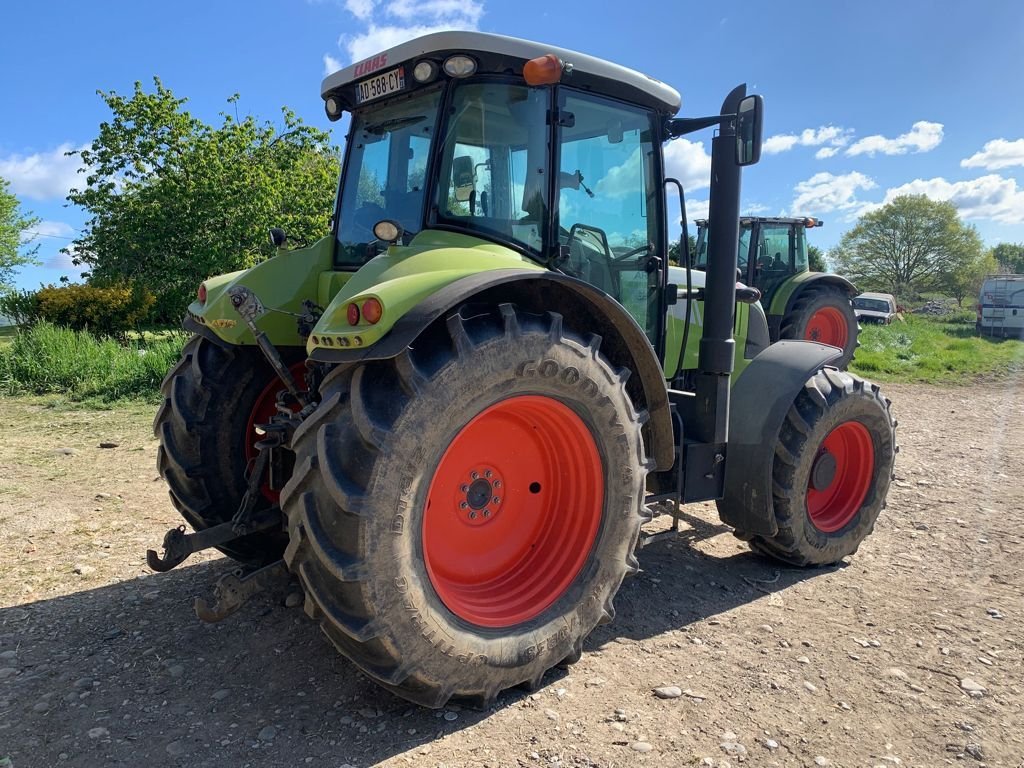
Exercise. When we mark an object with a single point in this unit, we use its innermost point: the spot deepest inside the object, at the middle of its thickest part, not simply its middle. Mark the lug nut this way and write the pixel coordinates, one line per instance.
(474, 475)
(496, 500)
(465, 489)
(472, 515)
(487, 512)
(488, 473)
(497, 483)
(463, 505)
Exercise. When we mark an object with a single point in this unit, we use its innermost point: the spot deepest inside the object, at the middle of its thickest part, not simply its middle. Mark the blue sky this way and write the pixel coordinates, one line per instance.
(863, 100)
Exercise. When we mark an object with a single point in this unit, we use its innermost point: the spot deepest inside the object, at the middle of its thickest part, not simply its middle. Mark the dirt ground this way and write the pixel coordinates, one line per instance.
(103, 663)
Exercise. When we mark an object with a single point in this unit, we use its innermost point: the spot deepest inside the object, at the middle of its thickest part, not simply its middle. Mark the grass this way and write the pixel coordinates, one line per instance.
(47, 360)
(934, 349)
(7, 334)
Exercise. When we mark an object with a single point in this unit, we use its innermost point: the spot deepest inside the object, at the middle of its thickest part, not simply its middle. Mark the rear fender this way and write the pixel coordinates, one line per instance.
(761, 397)
(623, 341)
(790, 291)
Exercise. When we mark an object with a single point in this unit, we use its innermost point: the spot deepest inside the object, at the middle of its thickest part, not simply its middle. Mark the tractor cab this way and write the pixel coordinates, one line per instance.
(771, 250)
(560, 165)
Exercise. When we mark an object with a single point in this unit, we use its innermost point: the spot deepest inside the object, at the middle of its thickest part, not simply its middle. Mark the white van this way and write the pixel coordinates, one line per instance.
(1001, 306)
(875, 308)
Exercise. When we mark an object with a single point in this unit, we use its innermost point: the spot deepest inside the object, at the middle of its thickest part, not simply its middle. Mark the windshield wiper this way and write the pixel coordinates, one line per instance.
(396, 122)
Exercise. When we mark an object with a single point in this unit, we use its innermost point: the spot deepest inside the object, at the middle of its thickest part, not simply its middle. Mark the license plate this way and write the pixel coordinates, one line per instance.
(380, 85)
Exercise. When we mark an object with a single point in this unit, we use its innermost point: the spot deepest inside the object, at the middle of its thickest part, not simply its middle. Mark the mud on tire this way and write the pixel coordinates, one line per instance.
(847, 414)
(365, 464)
(202, 426)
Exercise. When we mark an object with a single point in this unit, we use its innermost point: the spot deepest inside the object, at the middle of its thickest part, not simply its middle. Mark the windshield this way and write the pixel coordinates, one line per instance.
(701, 258)
(385, 172)
(493, 162)
(872, 305)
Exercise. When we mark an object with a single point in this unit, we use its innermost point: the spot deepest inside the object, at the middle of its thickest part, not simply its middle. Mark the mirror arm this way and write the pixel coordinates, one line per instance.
(680, 126)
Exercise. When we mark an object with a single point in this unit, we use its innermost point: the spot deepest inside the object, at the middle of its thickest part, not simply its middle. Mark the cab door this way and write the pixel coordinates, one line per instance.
(609, 208)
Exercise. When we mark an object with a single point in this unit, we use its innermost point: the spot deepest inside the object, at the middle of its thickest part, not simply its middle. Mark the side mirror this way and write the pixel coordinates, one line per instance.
(462, 178)
(277, 237)
(748, 130)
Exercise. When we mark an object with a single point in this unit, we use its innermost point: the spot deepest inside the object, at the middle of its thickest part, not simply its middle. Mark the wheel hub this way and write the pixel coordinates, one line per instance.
(824, 471)
(479, 498)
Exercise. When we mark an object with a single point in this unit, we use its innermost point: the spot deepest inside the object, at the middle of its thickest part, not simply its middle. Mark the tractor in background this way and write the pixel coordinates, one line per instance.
(800, 304)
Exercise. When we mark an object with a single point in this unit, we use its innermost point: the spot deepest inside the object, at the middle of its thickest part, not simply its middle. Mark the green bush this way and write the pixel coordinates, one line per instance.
(105, 311)
(21, 306)
(46, 359)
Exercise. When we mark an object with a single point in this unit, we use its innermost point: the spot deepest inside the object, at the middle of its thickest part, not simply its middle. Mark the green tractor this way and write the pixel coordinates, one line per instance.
(450, 418)
(800, 304)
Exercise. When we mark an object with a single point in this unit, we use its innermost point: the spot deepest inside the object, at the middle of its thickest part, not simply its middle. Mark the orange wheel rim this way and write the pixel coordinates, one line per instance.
(828, 326)
(840, 476)
(513, 511)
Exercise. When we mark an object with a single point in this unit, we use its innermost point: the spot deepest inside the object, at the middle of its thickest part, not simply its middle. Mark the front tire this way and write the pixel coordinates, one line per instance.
(431, 583)
(213, 398)
(833, 463)
(825, 315)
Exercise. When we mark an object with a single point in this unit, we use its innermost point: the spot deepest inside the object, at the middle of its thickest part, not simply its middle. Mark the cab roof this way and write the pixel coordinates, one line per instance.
(501, 54)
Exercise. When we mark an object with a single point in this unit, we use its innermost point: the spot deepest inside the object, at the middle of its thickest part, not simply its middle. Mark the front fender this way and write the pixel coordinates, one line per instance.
(760, 400)
(281, 282)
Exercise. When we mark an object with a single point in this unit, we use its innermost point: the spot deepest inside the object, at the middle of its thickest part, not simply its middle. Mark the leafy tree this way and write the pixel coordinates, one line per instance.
(816, 259)
(913, 244)
(13, 251)
(1009, 257)
(967, 281)
(675, 256)
(173, 200)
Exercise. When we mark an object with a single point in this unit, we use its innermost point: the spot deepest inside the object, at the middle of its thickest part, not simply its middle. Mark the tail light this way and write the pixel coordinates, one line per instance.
(352, 314)
(201, 293)
(372, 310)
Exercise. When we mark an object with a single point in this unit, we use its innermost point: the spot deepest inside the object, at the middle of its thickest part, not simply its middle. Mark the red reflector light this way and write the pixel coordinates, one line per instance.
(352, 313)
(201, 293)
(544, 70)
(372, 310)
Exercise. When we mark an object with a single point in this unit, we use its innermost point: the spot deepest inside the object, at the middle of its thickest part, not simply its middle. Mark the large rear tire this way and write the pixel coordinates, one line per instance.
(213, 398)
(833, 463)
(823, 314)
(462, 516)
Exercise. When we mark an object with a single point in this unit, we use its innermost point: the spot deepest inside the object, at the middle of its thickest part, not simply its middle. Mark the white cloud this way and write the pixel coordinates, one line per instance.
(987, 197)
(779, 143)
(331, 65)
(923, 136)
(696, 209)
(361, 9)
(397, 21)
(826, 152)
(997, 154)
(62, 261)
(43, 175)
(688, 161)
(50, 230)
(831, 135)
(825, 192)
